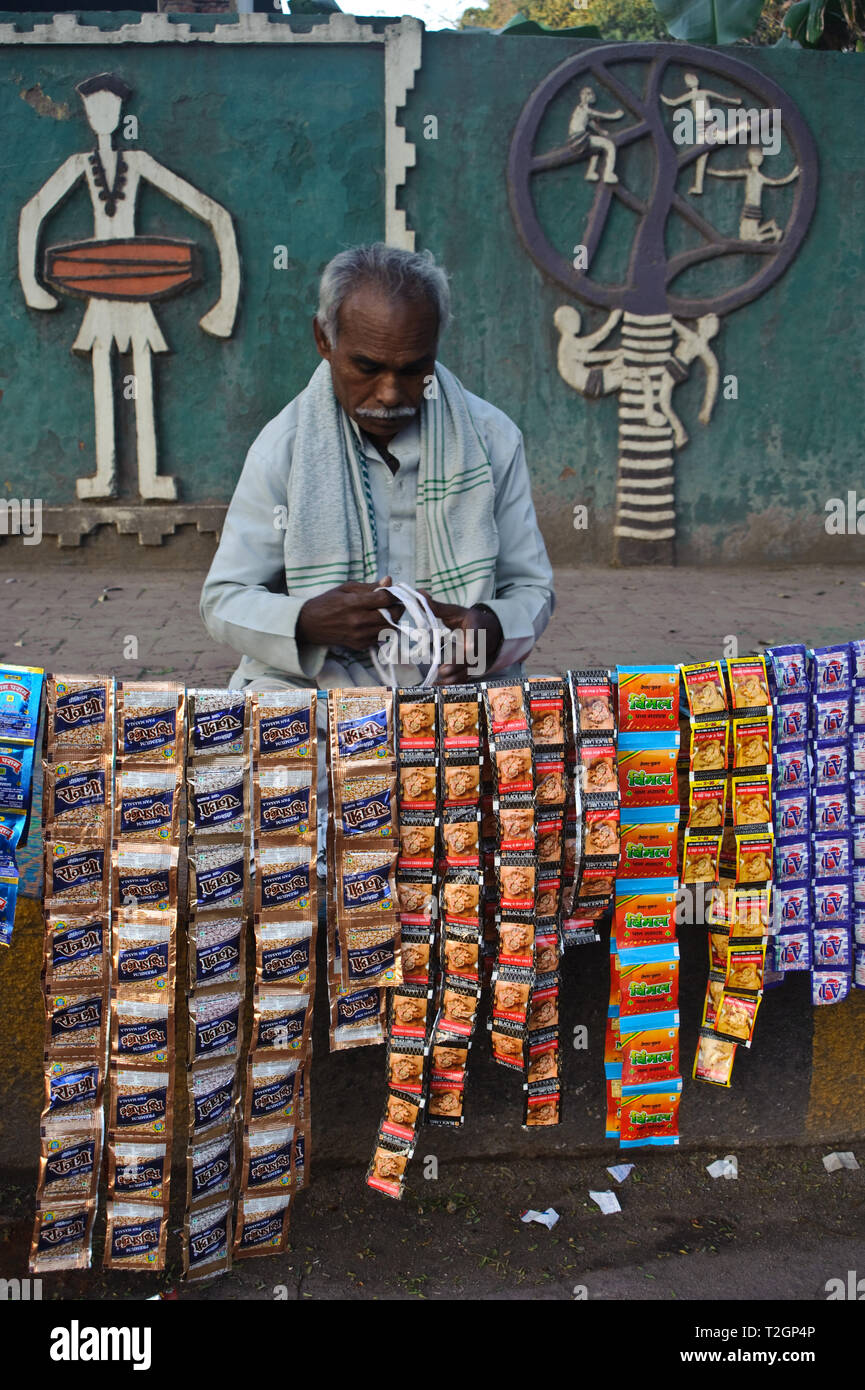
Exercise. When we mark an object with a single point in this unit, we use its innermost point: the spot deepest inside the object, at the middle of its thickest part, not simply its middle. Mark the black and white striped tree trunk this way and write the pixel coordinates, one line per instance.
(645, 524)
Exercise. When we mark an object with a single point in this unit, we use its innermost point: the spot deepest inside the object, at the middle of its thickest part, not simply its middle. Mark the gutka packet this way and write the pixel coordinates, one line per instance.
(648, 699)
(648, 980)
(649, 1116)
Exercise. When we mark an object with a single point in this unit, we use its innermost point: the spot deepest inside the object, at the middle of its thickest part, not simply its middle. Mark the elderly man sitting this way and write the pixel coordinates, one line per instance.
(385, 469)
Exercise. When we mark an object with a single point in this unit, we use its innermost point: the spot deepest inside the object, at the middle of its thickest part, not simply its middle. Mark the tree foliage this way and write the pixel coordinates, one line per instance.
(836, 24)
(616, 19)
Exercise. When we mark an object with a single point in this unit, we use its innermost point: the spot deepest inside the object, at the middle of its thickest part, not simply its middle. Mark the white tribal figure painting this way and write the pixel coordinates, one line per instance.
(674, 134)
(121, 275)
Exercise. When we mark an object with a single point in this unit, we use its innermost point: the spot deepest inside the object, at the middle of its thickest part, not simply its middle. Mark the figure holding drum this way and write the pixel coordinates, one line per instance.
(121, 275)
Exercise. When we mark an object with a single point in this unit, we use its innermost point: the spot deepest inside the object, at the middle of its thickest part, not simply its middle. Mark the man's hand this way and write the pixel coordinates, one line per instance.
(347, 616)
(481, 639)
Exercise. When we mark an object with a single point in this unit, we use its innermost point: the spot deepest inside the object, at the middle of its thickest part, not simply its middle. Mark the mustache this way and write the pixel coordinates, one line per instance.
(399, 412)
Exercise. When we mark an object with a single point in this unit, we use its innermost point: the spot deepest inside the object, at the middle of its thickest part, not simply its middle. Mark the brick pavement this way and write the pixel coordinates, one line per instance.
(52, 616)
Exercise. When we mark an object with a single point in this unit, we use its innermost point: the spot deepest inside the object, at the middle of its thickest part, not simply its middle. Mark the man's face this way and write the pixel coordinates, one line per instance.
(385, 350)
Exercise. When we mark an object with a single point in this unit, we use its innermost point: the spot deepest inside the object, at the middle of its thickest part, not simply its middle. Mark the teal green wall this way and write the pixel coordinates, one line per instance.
(291, 139)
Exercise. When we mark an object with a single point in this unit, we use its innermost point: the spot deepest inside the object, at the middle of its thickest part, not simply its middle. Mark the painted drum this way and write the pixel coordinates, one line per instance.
(133, 268)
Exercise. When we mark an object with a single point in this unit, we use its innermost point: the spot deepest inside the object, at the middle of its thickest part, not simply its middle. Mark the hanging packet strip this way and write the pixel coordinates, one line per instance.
(714, 1060)
(150, 753)
(648, 841)
(76, 838)
(707, 802)
(645, 912)
(16, 777)
(510, 721)
(833, 669)
(150, 724)
(752, 742)
(219, 851)
(284, 777)
(790, 667)
(77, 798)
(648, 699)
(647, 769)
(217, 723)
(736, 1016)
(217, 800)
(283, 726)
(704, 688)
(78, 717)
(749, 683)
(649, 1115)
(650, 1051)
(8, 901)
(648, 980)
(20, 700)
(76, 948)
(709, 745)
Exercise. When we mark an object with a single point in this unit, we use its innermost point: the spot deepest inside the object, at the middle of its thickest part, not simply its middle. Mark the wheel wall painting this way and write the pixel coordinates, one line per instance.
(692, 179)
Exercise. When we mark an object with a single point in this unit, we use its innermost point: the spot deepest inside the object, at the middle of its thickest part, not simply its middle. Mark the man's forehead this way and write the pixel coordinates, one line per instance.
(375, 325)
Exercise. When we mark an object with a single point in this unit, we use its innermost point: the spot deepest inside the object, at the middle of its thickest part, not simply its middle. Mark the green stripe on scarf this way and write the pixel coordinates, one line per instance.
(330, 534)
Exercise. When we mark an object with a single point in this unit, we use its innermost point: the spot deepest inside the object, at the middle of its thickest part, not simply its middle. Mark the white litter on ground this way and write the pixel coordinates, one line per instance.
(607, 1201)
(724, 1167)
(832, 1162)
(620, 1171)
(546, 1218)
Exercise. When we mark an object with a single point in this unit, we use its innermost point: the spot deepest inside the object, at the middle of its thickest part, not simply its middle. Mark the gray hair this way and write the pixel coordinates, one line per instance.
(411, 275)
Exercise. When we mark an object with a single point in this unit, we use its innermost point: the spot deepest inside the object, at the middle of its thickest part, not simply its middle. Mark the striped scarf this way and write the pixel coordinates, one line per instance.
(330, 535)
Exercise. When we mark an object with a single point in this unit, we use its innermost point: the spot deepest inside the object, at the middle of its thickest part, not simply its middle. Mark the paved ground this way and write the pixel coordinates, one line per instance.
(53, 610)
(780, 1232)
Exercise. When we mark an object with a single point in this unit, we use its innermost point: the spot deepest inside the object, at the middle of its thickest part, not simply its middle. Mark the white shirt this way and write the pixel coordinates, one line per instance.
(244, 603)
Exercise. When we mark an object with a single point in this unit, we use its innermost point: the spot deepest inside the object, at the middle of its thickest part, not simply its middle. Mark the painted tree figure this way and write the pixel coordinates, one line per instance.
(661, 335)
(751, 224)
(585, 119)
(700, 100)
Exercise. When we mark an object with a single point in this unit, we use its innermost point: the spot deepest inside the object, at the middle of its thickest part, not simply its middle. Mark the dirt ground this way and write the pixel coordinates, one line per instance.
(780, 1232)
